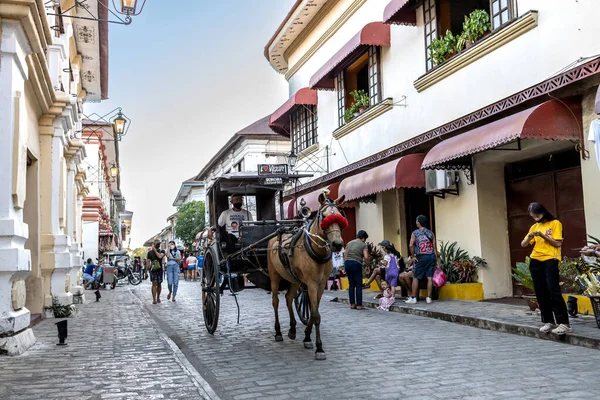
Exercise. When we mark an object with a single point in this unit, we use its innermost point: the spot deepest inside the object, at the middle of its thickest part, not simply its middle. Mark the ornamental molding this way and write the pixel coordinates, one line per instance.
(488, 44)
(332, 30)
(576, 74)
(367, 116)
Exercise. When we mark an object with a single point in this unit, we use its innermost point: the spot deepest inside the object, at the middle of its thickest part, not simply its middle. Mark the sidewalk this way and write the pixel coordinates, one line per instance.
(114, 351)
(507, 318)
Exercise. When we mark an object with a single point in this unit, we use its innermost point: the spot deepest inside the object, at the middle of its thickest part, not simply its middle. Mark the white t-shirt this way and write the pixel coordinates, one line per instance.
(594, 137)
(232, 220)
(338, 259)
(191, 260)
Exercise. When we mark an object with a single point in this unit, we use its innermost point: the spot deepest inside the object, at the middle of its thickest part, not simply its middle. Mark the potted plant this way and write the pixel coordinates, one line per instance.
(375, 257)
(361, 100)
(443, 48)
(475, 26)
(523, 276)
(349, 114)
(461, 271)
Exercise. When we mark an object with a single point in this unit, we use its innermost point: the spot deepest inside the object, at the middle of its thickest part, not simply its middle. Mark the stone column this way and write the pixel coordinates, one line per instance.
(15, 260)
(76, 154)
(56, 255)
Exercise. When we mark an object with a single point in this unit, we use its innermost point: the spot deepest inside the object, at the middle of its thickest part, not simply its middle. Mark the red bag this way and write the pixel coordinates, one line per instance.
(439, 278)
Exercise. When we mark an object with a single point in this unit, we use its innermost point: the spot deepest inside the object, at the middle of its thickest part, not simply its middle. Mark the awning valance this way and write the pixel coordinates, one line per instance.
(551, 120)
(373, 34)
(279, 121)
(400, 12)
(402, 173)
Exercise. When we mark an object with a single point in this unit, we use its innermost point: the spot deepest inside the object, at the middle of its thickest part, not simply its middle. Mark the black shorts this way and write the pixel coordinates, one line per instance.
(156, 276)
(382, 272)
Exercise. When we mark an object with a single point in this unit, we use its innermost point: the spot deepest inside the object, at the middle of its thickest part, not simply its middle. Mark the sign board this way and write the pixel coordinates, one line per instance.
(272, 181)
(272, 169)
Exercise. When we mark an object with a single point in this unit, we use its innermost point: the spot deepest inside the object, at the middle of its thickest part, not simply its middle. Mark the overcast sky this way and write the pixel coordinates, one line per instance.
(189, 76)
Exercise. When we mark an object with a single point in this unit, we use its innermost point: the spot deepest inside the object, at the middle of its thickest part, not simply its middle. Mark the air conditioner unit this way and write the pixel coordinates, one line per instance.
(440, 181)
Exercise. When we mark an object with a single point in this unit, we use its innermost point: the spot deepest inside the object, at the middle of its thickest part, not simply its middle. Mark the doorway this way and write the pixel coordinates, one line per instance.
(555, 181)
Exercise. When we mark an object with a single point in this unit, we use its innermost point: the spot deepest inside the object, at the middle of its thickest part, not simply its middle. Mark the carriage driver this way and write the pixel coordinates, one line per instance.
(228, 220)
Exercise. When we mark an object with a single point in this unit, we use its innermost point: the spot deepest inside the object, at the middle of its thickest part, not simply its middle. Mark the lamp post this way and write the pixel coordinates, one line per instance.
(114, 170)
(119, 124)
(292, 159)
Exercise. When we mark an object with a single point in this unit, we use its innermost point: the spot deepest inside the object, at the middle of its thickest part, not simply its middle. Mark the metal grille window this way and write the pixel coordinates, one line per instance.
(341, 96)
(374, 76)
(430, 29)
(501, 12)
(303, 122)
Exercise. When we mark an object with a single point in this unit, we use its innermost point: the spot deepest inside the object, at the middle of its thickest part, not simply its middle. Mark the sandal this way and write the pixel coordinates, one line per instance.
(360, 307)
(158, 300)
(562, 329)
(353, 306)
(169, 296)
(154, 302)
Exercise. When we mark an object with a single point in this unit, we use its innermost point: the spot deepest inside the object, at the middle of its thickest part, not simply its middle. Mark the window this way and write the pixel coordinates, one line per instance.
(440, 16)
(239, 167)
(362, 74)
(501, 12)
(303, 123)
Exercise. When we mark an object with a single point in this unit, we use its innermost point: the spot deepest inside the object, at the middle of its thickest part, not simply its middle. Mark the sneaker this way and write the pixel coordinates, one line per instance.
(546, 328)
(411, 300)
(562, 329)
(428, 300)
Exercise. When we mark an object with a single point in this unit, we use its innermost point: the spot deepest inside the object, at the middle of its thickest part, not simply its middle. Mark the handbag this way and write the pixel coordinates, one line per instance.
(439, 278)
(155, 265)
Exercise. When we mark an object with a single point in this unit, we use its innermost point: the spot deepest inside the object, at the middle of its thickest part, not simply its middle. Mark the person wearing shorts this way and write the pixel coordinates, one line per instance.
(423, 247)
(191, 267)
(154, 256)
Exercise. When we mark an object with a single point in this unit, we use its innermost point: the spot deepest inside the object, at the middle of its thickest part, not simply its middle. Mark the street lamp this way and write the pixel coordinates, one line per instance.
(292, 159)
(119, 124)
(128, 6)
(114, 170)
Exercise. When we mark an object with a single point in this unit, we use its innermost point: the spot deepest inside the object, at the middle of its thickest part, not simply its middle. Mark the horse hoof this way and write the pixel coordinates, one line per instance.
(278, 338)
(292, 336)
(320, 356)
(308, 345)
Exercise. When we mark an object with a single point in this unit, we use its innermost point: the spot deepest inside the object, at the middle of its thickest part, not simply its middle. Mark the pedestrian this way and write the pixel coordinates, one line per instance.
(337, 259)
(154, 265)
(423, 248)
(546, 236)
(391, 263)
(200, 264)
(387, 299)
(88, 274)
(380, 272)
(173, 258)
(191, 267)
(186, 275)
(356, 254)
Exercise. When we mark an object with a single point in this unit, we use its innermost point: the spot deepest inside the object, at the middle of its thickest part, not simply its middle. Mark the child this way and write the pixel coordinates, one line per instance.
(387, 299)
(390, 262)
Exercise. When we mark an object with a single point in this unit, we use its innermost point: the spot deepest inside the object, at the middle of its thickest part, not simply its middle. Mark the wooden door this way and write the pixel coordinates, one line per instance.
(349, 233)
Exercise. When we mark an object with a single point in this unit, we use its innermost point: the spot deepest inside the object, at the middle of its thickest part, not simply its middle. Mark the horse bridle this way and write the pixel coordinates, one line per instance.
(335, 210)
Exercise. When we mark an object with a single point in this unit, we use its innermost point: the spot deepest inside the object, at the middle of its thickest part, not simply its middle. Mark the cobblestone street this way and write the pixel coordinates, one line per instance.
(126, 348)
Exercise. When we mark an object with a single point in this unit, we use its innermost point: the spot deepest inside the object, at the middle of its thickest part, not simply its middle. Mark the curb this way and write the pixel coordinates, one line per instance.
(487, 324)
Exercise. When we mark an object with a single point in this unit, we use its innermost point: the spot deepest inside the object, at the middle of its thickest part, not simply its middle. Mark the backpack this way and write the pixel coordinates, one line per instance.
(155, 265)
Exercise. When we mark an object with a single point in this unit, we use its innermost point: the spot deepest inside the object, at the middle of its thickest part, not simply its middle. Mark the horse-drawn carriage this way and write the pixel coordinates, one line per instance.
(273, 253)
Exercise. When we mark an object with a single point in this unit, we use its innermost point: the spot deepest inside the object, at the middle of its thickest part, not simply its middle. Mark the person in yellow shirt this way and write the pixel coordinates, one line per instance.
(546, 236)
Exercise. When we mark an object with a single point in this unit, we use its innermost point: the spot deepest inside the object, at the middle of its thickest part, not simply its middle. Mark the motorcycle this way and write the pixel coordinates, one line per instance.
(124, 270)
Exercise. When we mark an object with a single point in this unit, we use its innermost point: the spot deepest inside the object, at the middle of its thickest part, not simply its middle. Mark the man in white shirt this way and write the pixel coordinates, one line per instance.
(231, 221)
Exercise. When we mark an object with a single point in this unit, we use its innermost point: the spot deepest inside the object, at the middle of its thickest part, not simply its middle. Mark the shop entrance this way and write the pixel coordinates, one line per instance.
(349, 233)
(555, 181)
(417, 202)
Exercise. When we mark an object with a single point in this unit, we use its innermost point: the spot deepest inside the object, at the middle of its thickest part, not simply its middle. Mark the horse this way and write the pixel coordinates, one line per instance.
(305, 258)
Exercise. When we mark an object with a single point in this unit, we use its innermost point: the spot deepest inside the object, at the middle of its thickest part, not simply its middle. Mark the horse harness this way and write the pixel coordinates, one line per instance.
(286, 250)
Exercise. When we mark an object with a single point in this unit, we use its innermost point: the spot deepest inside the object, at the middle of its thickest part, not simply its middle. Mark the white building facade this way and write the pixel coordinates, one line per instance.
(527, 87)
(42, 180)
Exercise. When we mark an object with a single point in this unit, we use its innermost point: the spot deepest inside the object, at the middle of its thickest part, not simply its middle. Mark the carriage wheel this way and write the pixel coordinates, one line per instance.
(302, 304)
(210, 293)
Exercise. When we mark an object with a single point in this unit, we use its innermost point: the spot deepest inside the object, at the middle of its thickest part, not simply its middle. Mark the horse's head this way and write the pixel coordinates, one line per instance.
(332, 221)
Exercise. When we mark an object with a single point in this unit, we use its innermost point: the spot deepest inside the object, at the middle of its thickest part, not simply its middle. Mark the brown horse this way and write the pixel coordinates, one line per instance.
(323, 235)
